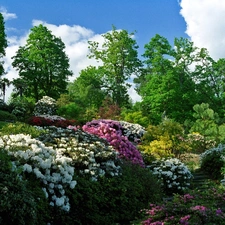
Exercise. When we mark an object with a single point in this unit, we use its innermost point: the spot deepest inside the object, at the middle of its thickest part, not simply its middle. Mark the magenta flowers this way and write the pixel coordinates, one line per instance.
(112, 131)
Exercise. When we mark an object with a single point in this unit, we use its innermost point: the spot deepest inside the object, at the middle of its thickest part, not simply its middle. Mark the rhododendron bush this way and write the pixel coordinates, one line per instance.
(112, 131)
(47, 120)
(58, 156)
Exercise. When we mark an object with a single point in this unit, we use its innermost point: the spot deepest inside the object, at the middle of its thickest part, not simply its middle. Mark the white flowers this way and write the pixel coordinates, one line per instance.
(55, 162)
(42, 161)
(173, 173)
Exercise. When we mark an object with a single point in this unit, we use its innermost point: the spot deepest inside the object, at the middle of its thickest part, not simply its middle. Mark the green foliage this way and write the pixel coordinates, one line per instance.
(135, 117)
(42, 64)
(87, 89)
(164, 140)
(199, 143)
(212, 162)
(164, 82)
(70, 111)
(21, 202)
(6, 116)
(114, 200)
(22, 107)
(20, 128)
(3, 42)
(207, 123)
(119, 57)
(196, 207)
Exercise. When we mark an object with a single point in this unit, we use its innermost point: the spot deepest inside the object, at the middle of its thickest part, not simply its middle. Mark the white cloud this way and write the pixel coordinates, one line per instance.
(76, 41)
(206, 24)
(6, 15)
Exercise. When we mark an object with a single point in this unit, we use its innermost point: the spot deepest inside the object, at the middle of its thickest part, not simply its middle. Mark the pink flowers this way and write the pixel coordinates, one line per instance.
(184, 220)
(112, 132)
(187, 197)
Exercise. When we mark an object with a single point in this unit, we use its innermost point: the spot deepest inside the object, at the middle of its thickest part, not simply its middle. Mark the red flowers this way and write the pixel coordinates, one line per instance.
(50, 121)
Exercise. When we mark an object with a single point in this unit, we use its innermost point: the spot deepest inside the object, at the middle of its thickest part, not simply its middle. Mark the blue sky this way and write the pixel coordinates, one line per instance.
(147, 17)
(77, 21)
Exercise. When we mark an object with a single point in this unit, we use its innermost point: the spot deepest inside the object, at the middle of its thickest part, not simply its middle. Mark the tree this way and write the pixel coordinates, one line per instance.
(4, 82)
(20, 86)
(42, 62)
(166, 85)
(3, 43)
(86, 90)
(119, 57)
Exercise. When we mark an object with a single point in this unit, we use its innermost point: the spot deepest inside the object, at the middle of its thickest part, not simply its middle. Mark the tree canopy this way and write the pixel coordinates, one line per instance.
(119, 57)
(43, 64)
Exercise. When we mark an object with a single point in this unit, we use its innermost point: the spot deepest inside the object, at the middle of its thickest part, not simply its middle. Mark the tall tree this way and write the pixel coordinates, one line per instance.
(20, 86)
(119, 58)
(42, 62)
(165, 85)
(4, 82)
(86, 90)
(3, 43)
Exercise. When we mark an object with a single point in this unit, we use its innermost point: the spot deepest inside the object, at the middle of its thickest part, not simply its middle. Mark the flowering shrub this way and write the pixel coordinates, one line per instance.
(47, 120)
(46, 105)
(51, 167)
(90, 155)
(174, 175)
(134, 132)
(112, 132)
(212, 161)
(189, 209)
(57, 155)
(25, 194)
(199, 143)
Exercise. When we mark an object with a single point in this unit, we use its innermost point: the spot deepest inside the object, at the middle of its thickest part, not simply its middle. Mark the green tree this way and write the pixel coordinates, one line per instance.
(119, 57)
(3, 43)
(42, 62)
(4, 82)
(20, 86)
(166, 85)
(87, 89)
(206, 122)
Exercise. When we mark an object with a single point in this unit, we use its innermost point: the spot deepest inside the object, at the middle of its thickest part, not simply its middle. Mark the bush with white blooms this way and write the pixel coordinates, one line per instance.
(59, 157)
(174, 175)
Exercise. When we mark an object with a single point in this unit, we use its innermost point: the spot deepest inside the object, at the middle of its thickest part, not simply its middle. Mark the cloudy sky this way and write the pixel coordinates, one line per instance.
(77, 21)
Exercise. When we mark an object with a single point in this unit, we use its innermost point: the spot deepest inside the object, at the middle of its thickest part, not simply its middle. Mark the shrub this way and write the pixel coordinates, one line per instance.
(69, 111)
(47, 120)
(115, 200)
(112, 132)
(164, 140)
(196, 207)
(212, 161)
(175, 177)
(19, 127)
(21, 201)
(21, 107)
(198, 143)
(6, 116)
(46, 105)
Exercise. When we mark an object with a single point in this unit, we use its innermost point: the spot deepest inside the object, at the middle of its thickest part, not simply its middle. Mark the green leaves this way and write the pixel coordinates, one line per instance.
(119, 57)
(43, 64)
